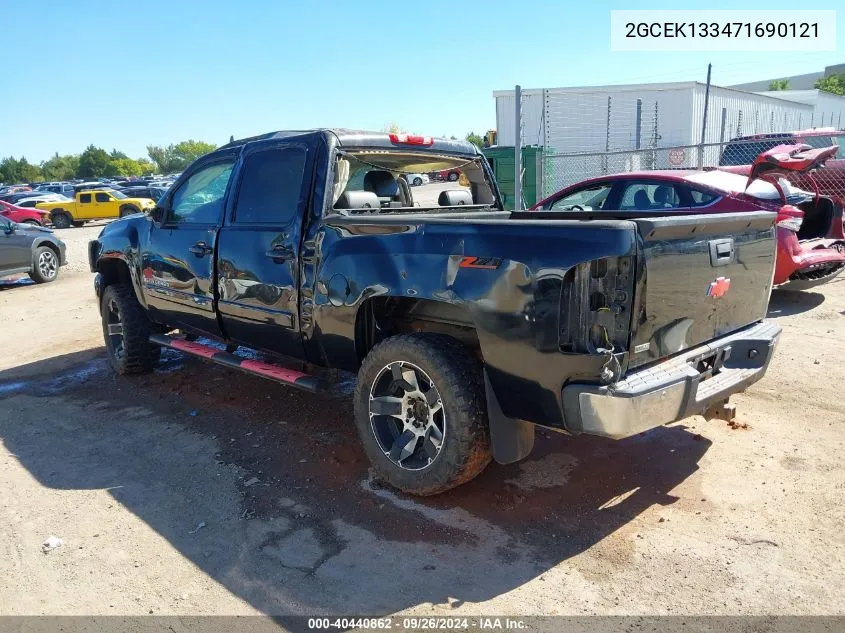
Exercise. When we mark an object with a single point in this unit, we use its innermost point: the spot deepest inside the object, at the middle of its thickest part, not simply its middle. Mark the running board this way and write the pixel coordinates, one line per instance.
(289, 377)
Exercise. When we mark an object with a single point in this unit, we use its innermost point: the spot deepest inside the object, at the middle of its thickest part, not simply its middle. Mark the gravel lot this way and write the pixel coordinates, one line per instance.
(197, 490)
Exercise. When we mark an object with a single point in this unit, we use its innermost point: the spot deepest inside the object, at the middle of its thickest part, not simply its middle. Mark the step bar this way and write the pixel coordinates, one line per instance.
(290, 377)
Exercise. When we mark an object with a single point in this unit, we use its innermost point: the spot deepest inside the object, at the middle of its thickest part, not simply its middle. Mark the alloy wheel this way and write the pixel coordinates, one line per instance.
(47, 264)
(407, 416)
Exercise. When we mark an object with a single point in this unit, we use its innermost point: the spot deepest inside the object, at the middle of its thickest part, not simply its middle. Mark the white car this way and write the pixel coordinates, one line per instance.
(417, 179)
(42, 197)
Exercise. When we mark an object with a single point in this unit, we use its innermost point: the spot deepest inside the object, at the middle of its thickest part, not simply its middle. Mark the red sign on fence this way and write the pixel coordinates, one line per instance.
(677, 156)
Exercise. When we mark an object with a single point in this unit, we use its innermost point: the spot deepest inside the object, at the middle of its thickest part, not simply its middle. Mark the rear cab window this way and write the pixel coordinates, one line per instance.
(367, 180)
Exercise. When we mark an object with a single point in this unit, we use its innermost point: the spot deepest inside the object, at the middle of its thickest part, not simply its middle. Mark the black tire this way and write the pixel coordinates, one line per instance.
(45, 265)
(456, 376)
(418, 181)
(32, 222)
(61, 219)
(128, 210)
(129, 350)
(452, 177)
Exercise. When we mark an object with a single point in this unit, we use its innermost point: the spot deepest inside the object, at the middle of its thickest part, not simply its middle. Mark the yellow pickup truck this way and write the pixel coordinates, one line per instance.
(96, 204)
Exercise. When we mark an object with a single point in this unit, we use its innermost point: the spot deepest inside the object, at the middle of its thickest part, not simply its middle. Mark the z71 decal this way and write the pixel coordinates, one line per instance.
(490, 263)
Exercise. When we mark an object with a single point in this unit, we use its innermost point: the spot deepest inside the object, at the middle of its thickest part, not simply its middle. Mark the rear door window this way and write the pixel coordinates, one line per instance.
(649, 196)
(702, 198)
(85, 198)
(271, 191)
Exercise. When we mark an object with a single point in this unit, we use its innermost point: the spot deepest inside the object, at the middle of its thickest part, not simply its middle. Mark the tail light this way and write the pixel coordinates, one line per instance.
(790, 218)
(410, 139)
(596, 306)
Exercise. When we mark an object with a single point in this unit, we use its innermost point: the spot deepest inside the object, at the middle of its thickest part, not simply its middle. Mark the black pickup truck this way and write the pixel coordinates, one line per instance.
(467, 325)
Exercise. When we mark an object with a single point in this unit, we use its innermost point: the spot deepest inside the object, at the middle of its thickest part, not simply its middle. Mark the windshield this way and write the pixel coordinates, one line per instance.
(390, 179)
(117, 194)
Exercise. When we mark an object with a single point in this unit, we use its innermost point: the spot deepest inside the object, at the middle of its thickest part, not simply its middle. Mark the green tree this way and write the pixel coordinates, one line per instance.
(779, 84)
(122, 167)
(93, 162)
(9, 170)
(188, 151)
(832, 83)
(475, 139)
(176, 157)
(29, 172)
(60, 167)
(14, 171)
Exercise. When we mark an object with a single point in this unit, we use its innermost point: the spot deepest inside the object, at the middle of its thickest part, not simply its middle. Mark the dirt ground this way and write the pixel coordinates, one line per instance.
(197, 490)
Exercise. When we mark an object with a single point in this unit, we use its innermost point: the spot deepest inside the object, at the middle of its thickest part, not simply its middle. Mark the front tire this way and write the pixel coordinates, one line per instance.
(61, 219)
(453, 177)
(421, 413)
(128, 210)
(45, 268)
(126, 330)
(417, 181)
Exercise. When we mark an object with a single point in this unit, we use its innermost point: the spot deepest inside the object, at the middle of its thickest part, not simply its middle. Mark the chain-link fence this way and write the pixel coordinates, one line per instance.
(560, 170)
(581, 133)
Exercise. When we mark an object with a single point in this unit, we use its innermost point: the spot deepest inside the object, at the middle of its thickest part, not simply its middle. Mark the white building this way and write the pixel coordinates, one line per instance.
(828, 109)
(626, 117)
(796, 82)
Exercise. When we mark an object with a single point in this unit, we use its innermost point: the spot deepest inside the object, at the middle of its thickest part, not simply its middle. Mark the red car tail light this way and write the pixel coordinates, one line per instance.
(791, 218)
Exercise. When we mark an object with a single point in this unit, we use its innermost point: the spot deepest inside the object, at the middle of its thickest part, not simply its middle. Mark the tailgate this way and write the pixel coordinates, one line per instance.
(701, 277)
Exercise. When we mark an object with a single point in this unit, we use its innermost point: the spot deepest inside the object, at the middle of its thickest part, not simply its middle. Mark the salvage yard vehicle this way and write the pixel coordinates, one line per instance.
(467, 324)
(810, 240)
(25, 248)
(93, 204)
(829, 181)
(23, 215)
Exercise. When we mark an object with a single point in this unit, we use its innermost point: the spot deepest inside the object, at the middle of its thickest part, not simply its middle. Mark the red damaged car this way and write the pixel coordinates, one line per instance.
(810, 238)
(23, 215)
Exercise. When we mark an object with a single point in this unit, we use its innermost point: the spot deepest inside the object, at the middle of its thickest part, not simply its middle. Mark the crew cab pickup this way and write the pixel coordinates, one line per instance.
(467, 325)
(96, 204)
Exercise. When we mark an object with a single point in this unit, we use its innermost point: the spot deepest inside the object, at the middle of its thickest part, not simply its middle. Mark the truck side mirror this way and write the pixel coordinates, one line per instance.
(158, 214)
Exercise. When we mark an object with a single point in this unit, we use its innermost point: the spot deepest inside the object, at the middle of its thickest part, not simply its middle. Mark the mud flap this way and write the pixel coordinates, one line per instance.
(510, 438)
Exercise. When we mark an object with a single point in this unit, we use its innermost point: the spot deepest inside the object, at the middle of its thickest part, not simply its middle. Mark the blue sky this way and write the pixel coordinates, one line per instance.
(125, 74)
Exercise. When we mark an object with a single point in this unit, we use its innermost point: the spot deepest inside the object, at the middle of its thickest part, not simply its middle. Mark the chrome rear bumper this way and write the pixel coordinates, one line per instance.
(672, 389)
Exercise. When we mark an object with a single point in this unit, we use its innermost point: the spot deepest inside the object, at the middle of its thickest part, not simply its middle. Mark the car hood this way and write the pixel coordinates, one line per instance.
(30, 229)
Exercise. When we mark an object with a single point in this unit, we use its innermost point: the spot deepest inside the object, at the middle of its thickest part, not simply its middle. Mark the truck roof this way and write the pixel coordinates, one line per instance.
(362, 138)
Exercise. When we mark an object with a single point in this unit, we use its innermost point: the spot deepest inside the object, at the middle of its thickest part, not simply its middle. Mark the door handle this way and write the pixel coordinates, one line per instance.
(200, 249)
(280, 253)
